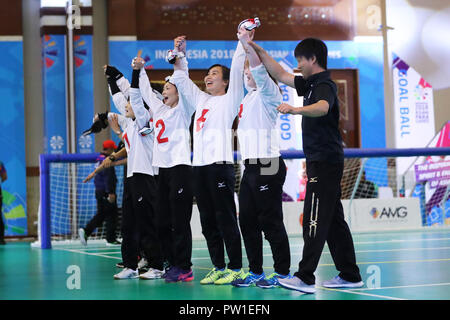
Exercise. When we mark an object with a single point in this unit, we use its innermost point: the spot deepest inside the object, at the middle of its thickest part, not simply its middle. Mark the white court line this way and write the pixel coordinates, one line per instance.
(268, 255)
(362, 293)
(402, 233)
(408, 286)
(301, 244)
(296, 254)
(89, 253)
(401, 240)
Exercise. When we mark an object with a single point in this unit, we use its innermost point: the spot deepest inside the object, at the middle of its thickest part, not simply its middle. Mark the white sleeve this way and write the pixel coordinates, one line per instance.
(120, 102)
(269, 91)
(236, 86)
(124, 86)
(187, 89)
(184, 65)
(183, 101)
(142, 115)
(147, 93)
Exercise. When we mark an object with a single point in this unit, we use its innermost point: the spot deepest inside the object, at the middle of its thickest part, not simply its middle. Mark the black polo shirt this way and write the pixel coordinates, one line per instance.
(322, 140)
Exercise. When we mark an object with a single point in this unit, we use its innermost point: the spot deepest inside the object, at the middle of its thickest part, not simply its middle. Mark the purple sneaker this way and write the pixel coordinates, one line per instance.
(176, 274)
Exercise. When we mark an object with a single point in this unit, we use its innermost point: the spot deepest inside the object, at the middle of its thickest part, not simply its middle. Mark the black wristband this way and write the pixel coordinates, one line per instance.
(135, 79)
(113, 73)
(113, 86)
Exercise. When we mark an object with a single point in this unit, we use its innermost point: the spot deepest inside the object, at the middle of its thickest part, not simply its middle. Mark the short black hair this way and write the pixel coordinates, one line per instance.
(157, 86)
(225, 73)
(312, 47)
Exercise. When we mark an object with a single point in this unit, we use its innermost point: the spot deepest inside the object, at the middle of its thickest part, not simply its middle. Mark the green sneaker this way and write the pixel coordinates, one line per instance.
(212, 276)
(230, 276)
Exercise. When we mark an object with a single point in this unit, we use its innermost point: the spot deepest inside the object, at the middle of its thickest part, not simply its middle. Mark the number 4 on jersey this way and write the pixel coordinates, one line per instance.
(201, 120)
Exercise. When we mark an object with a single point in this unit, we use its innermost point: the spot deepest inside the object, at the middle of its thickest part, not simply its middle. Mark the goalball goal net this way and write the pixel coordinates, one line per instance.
(381, 189)
(66, 203)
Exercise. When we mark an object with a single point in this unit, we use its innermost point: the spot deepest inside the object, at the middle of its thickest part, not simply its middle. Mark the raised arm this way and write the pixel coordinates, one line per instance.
(116, 79)
(147, 92)
(187, 89)
(236, 85)
(273, 67)
(141, 113)
(268, 89)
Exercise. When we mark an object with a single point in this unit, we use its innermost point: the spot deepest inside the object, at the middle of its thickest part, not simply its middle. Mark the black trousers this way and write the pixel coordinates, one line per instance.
(139, 230)
(323, 220)
(106, 211)
(214, 192)
(260, 210)
(175, 197)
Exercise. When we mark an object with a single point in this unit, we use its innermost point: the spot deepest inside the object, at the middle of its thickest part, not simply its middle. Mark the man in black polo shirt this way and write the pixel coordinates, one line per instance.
(323, 218)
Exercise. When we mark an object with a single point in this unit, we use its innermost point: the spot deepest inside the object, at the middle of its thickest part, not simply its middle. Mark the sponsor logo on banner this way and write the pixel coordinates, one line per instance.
(389, 213)
(385, 214)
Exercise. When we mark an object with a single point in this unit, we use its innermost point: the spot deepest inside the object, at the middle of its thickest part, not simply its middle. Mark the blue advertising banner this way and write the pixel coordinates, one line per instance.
(54, 94)
(12, 139)
(84, 92)
(84, 106)
(55, 124)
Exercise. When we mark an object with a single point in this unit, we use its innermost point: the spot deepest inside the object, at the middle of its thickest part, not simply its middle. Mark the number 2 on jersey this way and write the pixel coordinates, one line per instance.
(159, 123)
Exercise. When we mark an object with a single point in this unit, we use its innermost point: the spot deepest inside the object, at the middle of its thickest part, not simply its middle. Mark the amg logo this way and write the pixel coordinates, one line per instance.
(388, 213)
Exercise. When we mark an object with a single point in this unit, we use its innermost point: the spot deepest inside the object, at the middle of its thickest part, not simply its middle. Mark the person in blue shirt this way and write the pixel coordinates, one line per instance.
(3, 177)
(105, 192)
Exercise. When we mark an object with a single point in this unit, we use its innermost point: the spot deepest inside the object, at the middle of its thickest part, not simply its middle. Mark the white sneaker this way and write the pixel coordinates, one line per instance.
(338, 282)
(142, 263)
(152, 274)
(294, 283)
(113, 244)
(127, 273)
(82, 235)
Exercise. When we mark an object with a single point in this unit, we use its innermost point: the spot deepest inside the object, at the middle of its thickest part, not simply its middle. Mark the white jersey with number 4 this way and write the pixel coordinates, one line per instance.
(257, 133)
(214, 115)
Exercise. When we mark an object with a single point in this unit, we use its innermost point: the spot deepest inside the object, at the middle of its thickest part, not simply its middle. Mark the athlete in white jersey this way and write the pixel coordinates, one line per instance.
(138, 227)
(214, 176)
(172, 154)
(260, 196)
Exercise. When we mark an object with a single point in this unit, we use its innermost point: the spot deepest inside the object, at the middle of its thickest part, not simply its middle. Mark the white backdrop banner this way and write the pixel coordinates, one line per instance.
(414, 110)
(366, 215)
(289, 139)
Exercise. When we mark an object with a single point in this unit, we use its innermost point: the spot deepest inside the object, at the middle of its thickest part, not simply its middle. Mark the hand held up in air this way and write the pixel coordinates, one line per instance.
(138, 62)
(179, 44)
(114, 123)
